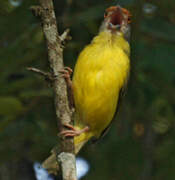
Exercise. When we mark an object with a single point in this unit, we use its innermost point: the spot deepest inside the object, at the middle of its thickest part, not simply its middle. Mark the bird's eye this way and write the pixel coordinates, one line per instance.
(105, 14)
(129, 20)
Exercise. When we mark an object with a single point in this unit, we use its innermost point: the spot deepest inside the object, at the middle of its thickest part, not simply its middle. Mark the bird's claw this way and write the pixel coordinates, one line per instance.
(66, 72)
(72, 131)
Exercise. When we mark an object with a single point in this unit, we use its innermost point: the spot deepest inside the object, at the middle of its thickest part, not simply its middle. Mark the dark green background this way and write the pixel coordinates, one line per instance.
(141, 143)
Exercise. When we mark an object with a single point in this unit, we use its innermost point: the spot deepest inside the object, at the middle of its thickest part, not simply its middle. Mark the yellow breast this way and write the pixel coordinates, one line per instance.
(99, 74)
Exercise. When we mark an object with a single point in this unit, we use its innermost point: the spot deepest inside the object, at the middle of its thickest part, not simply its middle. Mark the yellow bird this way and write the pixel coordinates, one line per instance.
(100, 74)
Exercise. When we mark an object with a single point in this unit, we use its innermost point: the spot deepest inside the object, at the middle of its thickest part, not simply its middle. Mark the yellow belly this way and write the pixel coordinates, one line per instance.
(100, 72)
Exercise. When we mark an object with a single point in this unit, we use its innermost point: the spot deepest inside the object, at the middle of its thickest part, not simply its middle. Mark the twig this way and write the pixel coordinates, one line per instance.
(55, 55)
(48, 76)
(65, 35)
(38, 71)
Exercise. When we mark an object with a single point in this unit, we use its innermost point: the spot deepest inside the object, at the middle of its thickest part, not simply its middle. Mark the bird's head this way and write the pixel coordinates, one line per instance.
(116, 20)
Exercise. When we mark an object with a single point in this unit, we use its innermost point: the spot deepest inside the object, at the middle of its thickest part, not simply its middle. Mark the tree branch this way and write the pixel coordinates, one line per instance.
(55, 56)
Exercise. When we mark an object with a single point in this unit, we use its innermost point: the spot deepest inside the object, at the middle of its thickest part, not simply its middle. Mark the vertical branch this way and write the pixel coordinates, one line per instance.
(55, 56)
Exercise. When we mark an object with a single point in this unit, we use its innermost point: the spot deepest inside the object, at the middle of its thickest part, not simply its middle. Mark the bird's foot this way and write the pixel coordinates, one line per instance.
(73, 132)
(66, 74)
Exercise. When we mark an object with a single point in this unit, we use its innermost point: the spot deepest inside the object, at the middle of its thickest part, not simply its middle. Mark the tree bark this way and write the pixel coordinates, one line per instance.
(55, 56)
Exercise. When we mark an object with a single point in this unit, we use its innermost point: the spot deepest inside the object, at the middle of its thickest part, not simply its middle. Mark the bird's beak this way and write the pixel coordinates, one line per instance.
(114, 17)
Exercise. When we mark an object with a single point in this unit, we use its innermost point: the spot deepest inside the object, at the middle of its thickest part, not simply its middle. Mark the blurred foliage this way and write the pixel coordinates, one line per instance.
(140, 144)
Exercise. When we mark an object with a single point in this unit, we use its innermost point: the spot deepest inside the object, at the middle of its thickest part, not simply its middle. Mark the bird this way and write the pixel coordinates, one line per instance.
(100, 76)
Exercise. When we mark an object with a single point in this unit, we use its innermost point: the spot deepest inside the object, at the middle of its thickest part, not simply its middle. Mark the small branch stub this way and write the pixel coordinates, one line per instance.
(38, 71)
(48, 76)
(65, 36)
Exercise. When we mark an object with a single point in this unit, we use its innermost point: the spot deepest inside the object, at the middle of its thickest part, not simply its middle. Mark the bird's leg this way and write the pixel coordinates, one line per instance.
(66, 73)
(73, 132)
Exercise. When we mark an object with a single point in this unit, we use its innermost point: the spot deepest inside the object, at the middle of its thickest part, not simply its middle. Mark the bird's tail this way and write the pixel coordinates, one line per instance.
(51, 165)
